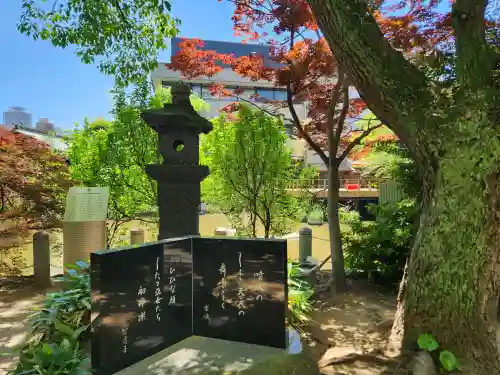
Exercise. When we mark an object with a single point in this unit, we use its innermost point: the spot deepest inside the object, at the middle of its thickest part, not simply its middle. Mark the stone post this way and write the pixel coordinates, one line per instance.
(41, 260)
(305, 244)
(179, 176)
(136, 236)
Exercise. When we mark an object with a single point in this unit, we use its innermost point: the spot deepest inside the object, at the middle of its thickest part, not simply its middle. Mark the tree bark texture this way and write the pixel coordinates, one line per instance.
(335, 129)
(453, 276)
(452, 285)
(337, 255)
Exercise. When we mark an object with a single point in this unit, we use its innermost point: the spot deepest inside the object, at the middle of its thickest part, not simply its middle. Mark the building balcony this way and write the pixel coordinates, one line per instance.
(350, 188)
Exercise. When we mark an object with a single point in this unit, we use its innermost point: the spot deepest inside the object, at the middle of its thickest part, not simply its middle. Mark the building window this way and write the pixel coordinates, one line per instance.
(196, 89)
(203, 91)
(265, 94)
(280, 95)
(289, 129)
(246, 94)
(207, 94)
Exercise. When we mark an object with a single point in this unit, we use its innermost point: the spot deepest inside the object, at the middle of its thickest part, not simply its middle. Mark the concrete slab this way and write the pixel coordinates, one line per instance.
(201, 355)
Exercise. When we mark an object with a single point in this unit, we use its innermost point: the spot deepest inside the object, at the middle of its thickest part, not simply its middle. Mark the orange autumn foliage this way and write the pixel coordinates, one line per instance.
(302, 61)
(307, 68)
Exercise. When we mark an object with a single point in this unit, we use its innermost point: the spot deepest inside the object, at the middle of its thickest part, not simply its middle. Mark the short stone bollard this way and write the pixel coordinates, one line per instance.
(220, 232)
(305, 244)
(136, 236)
(41, 260)
(229, 232)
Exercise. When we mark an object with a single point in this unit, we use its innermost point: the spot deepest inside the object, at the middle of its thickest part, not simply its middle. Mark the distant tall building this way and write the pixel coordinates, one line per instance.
(44, 125)
(17, 116)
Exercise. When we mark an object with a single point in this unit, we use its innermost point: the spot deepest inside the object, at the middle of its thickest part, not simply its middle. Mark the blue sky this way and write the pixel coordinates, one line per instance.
(52, 82)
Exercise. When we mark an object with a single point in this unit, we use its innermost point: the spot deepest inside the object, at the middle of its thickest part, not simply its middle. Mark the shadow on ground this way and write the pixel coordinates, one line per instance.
(347, 335)
(16, 306)
(349, 332)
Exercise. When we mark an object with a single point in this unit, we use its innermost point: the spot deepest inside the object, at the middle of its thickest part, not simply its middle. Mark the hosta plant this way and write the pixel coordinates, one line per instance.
(300, 293)
(59, 329)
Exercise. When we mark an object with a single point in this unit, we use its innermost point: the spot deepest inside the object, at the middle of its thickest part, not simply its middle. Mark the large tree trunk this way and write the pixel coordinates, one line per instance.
(452, 285)
(337, 255)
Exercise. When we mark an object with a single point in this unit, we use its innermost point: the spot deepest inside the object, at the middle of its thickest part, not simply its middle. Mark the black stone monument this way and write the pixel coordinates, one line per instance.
(180, 175)
(240, 290)
(147, 298)
(141, 302)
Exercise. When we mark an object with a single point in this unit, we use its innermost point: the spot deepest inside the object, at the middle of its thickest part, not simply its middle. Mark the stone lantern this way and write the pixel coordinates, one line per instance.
(179, 176)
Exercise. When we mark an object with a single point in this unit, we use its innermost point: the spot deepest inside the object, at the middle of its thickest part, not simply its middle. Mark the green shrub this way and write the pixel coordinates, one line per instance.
(378, 250)
(64, 358)
(300, 293)
(349, 217)
(308, 205)
(59, 328)
(66, 310)
(315, 217)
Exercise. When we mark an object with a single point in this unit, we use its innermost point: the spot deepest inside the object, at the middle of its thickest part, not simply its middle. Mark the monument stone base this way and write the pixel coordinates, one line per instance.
(207, 356)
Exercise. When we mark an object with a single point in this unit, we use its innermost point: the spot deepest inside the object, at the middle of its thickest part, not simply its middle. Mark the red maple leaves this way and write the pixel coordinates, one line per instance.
(33, 183)
(303, 63)
(306, 70)
(194, 62)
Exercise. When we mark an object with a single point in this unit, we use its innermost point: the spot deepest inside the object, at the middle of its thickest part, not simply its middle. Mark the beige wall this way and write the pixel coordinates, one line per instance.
(300, 149)
(226, 77)
(216, 105)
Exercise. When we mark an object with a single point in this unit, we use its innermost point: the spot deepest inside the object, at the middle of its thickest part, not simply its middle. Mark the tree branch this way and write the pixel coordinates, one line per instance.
(337, 135)
(474, 57)
(274, 114)
(296, 120)
(357, 141)
(387, 82)
(300, 129)
(337, 90)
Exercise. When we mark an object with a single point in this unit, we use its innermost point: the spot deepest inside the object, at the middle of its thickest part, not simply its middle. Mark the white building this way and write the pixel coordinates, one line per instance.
(162, 76)
(265, 89)
(55, 141)
(17, 116)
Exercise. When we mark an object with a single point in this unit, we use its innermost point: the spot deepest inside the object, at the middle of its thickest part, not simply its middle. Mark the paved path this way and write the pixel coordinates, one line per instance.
(15, 307)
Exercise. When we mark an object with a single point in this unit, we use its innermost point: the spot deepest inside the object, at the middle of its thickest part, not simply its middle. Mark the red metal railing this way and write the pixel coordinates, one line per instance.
(347, 184)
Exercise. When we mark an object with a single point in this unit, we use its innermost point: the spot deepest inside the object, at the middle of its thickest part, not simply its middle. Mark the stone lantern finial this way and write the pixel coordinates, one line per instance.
(181, 93)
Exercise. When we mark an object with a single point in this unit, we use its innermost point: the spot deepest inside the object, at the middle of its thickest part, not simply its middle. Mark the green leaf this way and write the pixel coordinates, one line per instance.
(47, 349)
(124, 37)
(79, 331)
(86, 303)
(26, 372)
(427, 342)
(72, 273)
(64, 328)
(83, 265)
(65, 344)
(448, 360)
